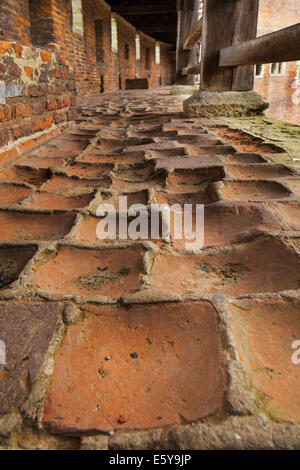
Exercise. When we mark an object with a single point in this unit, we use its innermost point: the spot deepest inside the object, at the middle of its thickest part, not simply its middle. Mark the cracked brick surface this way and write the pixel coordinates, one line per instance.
(146, 343)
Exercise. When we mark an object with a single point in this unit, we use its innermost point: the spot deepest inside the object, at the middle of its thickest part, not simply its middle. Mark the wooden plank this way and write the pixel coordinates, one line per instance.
(225, 23)
(192, 70)
(187, 17)
(194, 36)
(280, 46)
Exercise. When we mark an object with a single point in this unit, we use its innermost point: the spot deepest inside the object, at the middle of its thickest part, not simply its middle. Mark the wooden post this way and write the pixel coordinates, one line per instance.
(226, 22)
(187, 17)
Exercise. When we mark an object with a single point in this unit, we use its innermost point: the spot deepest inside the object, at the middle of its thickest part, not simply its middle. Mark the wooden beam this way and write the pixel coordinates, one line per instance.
(280, 46)
(194, 36)
(224, 24)
(156, 28)
(192, 70)
(140, 9)
(187, 17)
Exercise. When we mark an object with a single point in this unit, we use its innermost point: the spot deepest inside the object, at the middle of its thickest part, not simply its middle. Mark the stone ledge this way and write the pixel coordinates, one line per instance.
(226, 103)
(184, 89)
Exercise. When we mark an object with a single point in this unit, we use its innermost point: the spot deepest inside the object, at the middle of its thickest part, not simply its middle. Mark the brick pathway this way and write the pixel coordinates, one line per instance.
(145, 344)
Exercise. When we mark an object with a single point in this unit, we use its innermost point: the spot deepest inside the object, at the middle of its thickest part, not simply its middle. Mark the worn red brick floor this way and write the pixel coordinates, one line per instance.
(146, 344)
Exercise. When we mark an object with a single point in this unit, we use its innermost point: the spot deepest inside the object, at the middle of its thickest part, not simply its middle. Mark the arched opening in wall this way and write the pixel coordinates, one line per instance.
(160, 81)
(41, 22)
(77, 17)
(114, 34)
(120, 81)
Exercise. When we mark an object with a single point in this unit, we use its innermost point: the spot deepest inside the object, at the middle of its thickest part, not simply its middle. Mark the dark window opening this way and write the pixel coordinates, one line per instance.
(120, 81)
(41, 22)
(126, 51)
(277, 69)
(99, 41)
(160, 81)
(101, 84)
(147, 58)
(258, 70)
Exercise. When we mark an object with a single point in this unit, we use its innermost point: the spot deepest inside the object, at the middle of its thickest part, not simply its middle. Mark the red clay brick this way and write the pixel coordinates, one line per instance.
(44, 200)
(9, 156)
(24, 174)
(46, 56)
(226, 223)
(27, 329)
(29, 72)
(290, 212)
(79, 271)
(259, 266)
(264, 331)
(162, 365)
(254, 190)
(72, 186)
(5, 47)
(20, 226)
(13, 193)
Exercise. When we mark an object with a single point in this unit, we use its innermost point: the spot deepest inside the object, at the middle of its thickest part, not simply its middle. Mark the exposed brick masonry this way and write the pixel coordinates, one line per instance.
(282, 91)
(45, 61)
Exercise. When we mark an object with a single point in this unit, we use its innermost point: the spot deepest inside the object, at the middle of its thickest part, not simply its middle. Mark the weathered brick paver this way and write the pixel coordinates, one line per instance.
(157, 337)
(27, 330)
(265, 331)
(86, 271)
(142, 367)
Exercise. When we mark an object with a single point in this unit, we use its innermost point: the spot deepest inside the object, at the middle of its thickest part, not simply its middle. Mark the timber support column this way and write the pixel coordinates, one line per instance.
(226, 91)
(226, 22)
(187, 17)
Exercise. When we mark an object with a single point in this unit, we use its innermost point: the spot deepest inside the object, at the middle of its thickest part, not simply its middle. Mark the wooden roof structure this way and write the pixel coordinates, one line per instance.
(158, 18)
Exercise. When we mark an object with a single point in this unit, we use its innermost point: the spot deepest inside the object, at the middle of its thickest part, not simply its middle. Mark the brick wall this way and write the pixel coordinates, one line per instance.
(282, 91)
(36, 95)
(126, 50)
(167, 66)
(48, 56)
(49, 23)
(41, 22)
(14, 21)
(148, 70)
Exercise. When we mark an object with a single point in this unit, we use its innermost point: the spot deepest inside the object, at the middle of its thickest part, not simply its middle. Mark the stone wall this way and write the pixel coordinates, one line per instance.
(36, 96)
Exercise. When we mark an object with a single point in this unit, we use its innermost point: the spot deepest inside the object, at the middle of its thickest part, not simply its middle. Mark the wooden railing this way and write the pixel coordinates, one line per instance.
(194, 37)
(281, 46)
(229, 48)
(192, 70)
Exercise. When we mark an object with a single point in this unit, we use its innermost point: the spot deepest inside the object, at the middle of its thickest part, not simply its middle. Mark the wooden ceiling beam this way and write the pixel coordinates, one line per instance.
(155, 9)
(158, 29)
